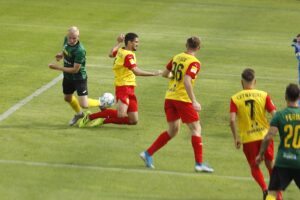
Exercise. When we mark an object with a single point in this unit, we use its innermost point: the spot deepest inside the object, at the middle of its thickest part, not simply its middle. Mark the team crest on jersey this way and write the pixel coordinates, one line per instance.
(194, 69)
(132, 61)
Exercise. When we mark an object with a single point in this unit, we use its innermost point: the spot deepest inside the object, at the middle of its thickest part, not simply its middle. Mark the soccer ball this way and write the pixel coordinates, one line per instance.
(106, 100)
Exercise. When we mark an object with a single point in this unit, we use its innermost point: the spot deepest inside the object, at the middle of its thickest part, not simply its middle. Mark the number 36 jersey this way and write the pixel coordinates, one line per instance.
(182, 64)
(288, 123)
(250, 107)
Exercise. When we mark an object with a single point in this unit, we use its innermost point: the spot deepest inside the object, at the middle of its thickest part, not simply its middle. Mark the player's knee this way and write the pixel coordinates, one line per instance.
(122, 114)
(84, 105)
(68, 99)
(172, 133)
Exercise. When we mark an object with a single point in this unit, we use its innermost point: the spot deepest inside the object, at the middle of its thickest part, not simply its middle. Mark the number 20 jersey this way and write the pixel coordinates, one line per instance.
(250, 107)
(288, 123)
(182, 64)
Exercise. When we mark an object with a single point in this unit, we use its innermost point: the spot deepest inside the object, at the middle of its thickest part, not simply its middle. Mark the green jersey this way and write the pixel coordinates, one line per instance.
(74, 54)
(288, 123)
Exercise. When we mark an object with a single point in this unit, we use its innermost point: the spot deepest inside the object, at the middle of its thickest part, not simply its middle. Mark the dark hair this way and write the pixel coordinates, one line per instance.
(130, 37)
(298, 35)
(193, 42)
(248, 75)
(292, 92)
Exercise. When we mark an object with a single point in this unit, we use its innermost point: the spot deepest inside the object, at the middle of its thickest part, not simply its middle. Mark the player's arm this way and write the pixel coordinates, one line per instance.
(72, 70)
(270, 107)
(191, 74)
(232, 123)
(113, 51)
(189, 89)
(59, 56)
(139, 72)
(129, 62)
(167, 73)
(265, 143)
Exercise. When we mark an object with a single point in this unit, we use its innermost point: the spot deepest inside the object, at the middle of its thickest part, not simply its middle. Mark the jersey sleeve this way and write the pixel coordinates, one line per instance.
(275, 120)
(129, 61)
(233, 107)
(269, 104)
(114, 53)
(80, 56)
(193, 69)
(170, 65)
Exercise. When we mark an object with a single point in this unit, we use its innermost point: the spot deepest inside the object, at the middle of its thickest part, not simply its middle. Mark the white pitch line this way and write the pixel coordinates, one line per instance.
(24, 101)
(116, 169)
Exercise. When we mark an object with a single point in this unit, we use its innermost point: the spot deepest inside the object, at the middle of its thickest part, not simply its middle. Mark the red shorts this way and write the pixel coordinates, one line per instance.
(127, 96)
(251, 150)
(180, 110)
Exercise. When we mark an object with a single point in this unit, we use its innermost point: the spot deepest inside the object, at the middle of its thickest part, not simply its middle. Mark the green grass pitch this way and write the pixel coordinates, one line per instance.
(41, 157)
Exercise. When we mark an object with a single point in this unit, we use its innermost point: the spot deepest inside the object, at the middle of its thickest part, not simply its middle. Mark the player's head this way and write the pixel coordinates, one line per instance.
(193, 43)
(248, 78)
(131, 41)
(73, 35)
(292, 93)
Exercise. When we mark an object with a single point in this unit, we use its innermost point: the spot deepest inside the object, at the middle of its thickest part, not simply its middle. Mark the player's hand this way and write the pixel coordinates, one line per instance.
(59, 56)
(259, 159)
(237, 143)
(121, 38)
(158, 73)
(52, 66)
(197, 106)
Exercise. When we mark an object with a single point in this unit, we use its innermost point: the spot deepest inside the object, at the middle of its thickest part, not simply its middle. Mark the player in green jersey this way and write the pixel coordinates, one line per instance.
(75, 76)
(287, 164)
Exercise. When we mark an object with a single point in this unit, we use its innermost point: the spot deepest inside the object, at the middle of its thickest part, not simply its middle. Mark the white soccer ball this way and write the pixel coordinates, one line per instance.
(106, 100)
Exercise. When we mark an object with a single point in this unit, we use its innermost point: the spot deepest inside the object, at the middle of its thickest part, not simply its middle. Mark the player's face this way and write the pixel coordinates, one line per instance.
(72, 39)
(298, 40)
(135, 44)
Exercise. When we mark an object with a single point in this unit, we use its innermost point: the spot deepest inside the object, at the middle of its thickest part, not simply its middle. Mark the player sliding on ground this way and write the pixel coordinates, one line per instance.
(75, 76)
(125, 69)
(287, 164)
(249, 107)
(181, 104)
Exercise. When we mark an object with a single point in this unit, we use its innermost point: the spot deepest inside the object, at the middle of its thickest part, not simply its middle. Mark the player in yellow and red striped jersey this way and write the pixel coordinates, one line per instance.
(125, 69)
(181, 104)
(249, 108)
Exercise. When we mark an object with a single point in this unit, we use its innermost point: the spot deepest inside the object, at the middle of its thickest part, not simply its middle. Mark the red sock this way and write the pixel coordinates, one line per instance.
(117, 120)
(108, 113)
(162, 139)
(259, 177)
(197, 146)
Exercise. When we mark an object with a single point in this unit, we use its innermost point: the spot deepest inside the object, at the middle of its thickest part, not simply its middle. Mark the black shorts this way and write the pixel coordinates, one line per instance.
(70, 86)
(282, 177)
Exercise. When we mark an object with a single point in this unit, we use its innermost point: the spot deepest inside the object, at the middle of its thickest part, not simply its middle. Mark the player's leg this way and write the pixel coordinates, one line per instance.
(68, 90)
(82, 92)
(251, 150)
(164, 137)
(279, 181)
(269, 157)
(173, 119)
(196, 141)
(269, 163)
(296, 177)
(160, 141)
